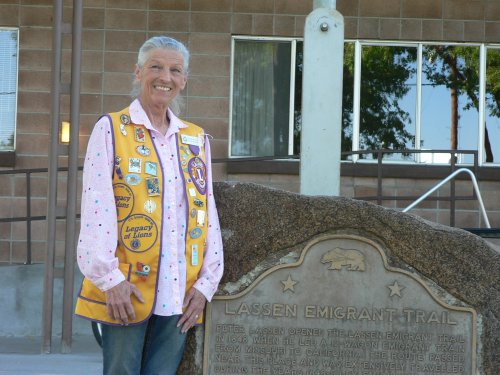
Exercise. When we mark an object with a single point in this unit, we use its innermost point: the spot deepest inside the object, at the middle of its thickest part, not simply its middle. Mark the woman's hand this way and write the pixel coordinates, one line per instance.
(118, 301)
(194, 303)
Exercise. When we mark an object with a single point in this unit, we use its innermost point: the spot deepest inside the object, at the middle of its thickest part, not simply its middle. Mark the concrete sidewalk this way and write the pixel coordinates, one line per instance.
(19, 356)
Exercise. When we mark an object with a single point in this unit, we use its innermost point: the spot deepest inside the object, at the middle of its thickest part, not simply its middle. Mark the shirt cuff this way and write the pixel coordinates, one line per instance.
(205, 288)
(110, 280)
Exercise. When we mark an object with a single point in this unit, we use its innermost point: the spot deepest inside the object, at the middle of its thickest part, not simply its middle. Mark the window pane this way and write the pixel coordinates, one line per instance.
(297, 112)
(347, 98)
(261, 98)
(450, 92)
(387, 105)
(492, 115)
(8, 88)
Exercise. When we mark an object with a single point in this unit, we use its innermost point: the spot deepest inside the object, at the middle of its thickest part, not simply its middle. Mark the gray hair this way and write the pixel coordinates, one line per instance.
(168, 43)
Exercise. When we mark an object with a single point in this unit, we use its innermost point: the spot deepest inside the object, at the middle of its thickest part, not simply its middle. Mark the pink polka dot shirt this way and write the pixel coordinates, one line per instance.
(98, 234)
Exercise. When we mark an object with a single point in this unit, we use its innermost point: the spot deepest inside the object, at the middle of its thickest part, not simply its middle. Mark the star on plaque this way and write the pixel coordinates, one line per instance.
(395, 289)
(288, 284)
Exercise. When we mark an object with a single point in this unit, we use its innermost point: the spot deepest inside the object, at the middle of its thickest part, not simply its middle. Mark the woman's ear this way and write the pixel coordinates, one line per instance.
(184, 81)
(137, 72)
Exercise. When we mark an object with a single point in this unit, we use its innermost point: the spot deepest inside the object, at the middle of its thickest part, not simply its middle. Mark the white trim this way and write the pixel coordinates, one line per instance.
(291, 109)
(17, 90)
(263, 38)
(482, 98)
(402, 43)
(231, 83)
(418, 104)
(16, 29)
(356, 99)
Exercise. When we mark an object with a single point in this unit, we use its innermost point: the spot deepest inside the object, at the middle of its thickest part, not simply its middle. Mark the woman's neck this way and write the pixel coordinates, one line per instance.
(158, 117)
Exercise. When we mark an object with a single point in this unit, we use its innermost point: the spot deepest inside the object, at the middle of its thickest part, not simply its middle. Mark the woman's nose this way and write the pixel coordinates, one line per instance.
(165, 74)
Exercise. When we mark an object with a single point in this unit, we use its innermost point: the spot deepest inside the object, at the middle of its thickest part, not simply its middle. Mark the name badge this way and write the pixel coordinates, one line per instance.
(190, 140)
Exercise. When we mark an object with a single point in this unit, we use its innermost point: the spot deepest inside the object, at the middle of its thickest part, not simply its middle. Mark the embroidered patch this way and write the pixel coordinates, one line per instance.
(151, 168)
(124, 200)
(143, 150)
(142, 270)
(195, 149)
(201, 218)
(135, 165)
(198, 173)
(198, 202)
(140, 135)
(133, 179)
(122, 129)
(138, 233)
(118, 168)
(195, 233)
(153, 186)
(125, 119)
(149, 206)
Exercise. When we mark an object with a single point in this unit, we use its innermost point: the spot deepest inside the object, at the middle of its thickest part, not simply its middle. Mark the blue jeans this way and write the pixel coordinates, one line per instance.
(152, 348)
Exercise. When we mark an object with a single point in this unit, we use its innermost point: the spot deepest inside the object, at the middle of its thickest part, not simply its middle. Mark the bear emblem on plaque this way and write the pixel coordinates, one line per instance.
(353, 260)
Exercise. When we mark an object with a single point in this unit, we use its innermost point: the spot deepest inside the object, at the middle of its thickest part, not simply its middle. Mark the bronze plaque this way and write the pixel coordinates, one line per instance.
(339, 310)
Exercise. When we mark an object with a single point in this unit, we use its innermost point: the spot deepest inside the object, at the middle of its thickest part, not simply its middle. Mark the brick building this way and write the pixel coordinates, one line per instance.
(219, 33)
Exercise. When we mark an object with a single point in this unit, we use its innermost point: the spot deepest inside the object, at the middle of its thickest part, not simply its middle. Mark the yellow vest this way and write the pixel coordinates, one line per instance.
(139, 195)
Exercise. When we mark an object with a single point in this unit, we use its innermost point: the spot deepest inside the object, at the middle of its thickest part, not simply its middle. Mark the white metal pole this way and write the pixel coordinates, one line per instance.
(322, 100)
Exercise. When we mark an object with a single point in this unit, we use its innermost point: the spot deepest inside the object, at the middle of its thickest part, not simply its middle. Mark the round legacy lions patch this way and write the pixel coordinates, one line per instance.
(139, 233)
(124, 200)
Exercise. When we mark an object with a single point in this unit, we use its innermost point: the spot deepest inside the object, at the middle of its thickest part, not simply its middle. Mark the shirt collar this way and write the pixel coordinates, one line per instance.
(139, 116)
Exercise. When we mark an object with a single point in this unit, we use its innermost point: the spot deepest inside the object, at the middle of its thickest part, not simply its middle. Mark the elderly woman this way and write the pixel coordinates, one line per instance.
(150, 246)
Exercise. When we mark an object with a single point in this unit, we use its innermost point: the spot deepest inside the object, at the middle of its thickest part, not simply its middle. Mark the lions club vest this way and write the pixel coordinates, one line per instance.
(139, 196)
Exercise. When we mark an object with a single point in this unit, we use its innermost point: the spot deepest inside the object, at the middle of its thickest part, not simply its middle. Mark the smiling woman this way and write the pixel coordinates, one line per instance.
(145, 170)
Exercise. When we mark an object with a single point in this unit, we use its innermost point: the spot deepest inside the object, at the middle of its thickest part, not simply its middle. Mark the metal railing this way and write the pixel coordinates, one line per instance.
(450, 177)
(451, 198)
(28, 173)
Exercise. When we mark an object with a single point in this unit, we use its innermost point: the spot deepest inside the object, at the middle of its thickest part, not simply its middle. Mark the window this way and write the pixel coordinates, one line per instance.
(450, 99)
(492, 107)
(387, 99)
(395, 96)
(262, 102)
(8, 87)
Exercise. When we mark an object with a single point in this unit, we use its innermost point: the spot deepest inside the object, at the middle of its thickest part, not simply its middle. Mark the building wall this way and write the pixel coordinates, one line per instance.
(115, 29)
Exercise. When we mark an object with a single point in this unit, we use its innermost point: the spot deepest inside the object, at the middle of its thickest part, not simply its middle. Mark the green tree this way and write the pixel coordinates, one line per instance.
(385, 71)
(457, 68)
(383, 123)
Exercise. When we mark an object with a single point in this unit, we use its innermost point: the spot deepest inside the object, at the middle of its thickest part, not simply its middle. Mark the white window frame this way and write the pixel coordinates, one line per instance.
(419, 45)
(293, 42)
(16, 30)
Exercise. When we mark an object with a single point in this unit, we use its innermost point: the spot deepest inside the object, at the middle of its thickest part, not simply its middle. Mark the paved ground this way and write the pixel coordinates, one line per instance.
(19, 356)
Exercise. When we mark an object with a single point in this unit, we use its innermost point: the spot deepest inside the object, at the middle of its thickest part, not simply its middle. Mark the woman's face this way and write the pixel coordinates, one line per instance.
(162, 77)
